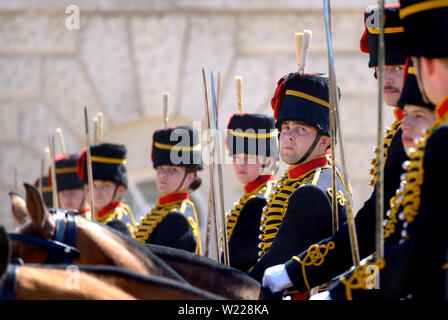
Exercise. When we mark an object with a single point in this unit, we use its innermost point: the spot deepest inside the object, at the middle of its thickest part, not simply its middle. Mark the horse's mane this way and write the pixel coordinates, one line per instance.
(201, 261)
(141, 251)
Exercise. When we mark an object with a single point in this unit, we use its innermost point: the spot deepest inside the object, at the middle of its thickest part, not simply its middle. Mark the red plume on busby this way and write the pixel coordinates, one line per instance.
(277, 99)
(81, 164)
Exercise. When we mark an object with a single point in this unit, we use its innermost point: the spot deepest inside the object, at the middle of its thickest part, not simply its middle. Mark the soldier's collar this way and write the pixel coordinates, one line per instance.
(111, 206)
(301, 169)
(442, 108)
(251, 186)
(173, 197)
(84, 211)
(398, 113)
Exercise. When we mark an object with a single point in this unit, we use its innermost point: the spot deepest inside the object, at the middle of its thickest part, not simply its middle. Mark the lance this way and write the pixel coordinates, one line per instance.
(89, 162)
(41, 177)
(219, 171)
(60, 138)
(334, 105)
(165, 108)
(98, 127)
(46, 159)
(238, 81)
(212, 218)
(54, 185)
(16, 185)
(303, 40)
(379, 186)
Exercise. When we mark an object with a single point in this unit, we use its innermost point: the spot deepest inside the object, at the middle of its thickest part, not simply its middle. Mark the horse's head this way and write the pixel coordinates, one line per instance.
(33, 219)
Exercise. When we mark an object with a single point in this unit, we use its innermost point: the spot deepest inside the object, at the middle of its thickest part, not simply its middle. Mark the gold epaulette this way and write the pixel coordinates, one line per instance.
(233, 215)
(389, 134)
(407, 196)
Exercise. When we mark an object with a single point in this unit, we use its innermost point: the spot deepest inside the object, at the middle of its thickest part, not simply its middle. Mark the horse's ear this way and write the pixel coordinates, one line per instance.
(35, 205)
(18, 207)
(5, 251)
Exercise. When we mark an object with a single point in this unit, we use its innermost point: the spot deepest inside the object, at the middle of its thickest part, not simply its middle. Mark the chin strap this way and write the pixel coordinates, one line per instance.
(310, 149)
(183, 180)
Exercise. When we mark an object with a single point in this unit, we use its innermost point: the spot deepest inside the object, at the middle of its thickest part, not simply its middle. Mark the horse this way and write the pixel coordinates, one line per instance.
(36, 281)
(31, 284)
(41, 237)
(210, 275)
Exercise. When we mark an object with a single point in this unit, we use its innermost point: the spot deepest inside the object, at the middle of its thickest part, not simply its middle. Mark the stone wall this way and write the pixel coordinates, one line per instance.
(126, 53)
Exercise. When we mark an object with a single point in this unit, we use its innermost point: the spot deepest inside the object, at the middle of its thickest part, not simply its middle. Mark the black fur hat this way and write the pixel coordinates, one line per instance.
(108, 163)
(177, 146)
(394, 37)
(66, 168)
(303, 98)
(425, 27)
(252, 134)
(411, 93)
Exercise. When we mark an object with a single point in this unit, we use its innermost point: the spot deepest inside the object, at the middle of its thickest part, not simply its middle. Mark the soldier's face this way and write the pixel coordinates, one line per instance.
(393, 83)
(295, 140)
(104, 193)
(71, 199)
(247, 168)
(169, 179)
(415, 120)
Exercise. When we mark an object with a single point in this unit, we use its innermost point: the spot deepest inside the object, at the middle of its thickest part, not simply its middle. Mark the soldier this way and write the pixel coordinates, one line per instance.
(417, 266)
(173, 222)
(299, 212)
(339, 259)
(70, 188)
(252, 142)
(110, 181)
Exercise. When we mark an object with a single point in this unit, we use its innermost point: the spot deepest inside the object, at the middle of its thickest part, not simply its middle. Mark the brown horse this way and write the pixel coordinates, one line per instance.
(30, 283)
(97, 244)
(50, 282)
(210, 275)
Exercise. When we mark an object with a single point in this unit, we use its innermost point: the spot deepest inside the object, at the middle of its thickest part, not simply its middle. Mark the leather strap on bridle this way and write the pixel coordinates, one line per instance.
(8, 285)
(61, 249)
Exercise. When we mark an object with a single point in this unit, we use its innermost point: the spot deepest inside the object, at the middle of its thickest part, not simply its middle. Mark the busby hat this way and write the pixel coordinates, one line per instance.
(303, 98)
(108, 163)
(411, 93)
(252, 134)
(425, 24)
(66, 172)
(177, 146)
(394, 38)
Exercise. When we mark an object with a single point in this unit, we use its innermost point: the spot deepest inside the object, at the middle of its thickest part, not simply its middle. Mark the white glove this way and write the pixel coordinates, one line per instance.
(324, 295)
(276, 278)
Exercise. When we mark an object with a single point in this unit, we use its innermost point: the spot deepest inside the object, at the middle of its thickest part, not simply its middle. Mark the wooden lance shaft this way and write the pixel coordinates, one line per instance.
(60, 138)
(89, 163)
(165, 108)
(238, 81)
(54, 183)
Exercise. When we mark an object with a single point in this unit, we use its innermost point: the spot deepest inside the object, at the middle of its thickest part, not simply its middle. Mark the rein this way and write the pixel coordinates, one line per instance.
(8, 285)
(61, 249)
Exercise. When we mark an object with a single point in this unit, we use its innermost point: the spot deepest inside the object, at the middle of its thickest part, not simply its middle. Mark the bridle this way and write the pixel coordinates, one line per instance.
(60, 249)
